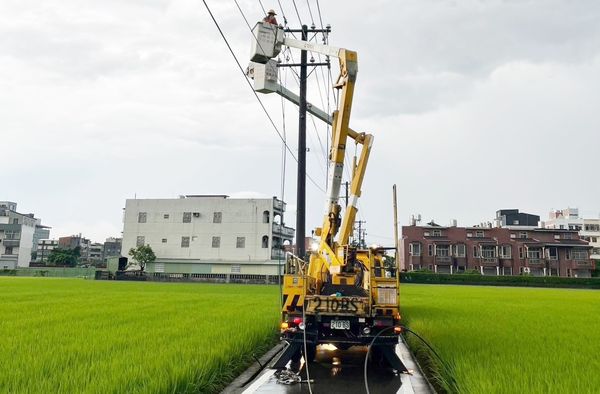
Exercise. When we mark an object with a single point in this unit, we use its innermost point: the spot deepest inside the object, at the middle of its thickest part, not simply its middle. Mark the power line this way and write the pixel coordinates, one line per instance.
(256, 94)
(297, 13)
(310, 12)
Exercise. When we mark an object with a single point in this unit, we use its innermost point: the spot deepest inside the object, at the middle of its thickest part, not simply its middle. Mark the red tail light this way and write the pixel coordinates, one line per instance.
(297, 320)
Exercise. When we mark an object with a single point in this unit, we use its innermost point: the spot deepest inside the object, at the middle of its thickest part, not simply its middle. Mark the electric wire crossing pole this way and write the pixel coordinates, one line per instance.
(301, 181)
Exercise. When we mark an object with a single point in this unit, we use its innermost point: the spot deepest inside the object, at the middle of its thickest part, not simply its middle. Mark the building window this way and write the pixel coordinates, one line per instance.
(534, 253)
(414, 249)
(488, 251)
(266, 216)
(436, 233)
(240, 242)
(16, 221)
(187, 217)
(479, 234)
(185, 242)
(164, 240)
(430, 249)
(567, 236)
(8, 250)
(460, 250)
(516, 222)
(594, 239)
(523, 235)
(552, 253)
(166, 216)
(568, 254)
(265, 241)
(520, 252)
(217, 217)
(141, 240)
(505, 251)
(442, 250)
(216, 242)
(236, 269)
(580, 254)
(142, 217)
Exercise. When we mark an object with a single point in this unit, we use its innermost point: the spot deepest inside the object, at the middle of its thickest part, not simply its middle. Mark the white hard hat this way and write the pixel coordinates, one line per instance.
(271, 11)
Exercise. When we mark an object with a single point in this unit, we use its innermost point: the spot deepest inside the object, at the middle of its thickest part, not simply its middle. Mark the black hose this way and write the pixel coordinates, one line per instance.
(404, 329)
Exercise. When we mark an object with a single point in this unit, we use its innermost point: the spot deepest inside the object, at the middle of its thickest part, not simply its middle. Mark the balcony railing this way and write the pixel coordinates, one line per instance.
(443, 259)
(535, 261)
(490, 260)
(9, 256)
(11, 242)
(277, 254)
(285, 231)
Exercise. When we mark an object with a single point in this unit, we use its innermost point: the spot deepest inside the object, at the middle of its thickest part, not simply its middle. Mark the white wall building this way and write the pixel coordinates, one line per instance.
(569, 219)
(16, 236)
(208, 233)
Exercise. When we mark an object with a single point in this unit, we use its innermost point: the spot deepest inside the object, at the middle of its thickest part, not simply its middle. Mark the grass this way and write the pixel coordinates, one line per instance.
(71, 335)
(507, 340)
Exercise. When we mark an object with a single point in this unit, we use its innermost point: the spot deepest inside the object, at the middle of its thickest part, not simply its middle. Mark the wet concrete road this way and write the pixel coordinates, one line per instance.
(337, 371)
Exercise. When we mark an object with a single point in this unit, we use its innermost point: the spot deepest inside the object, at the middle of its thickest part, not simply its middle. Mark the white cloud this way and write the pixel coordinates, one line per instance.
(475, 106)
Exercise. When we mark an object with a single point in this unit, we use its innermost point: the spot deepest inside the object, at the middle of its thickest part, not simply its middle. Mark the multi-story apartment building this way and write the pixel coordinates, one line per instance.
(589, 229)
(76, 241)
(112, 248)
(44, 248)
(496, 251)
(512, 218)
(16, 236)
(208, 233)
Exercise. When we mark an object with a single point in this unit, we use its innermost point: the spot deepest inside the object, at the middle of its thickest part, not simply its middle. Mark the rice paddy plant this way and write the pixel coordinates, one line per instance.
(506, 340)
(72, 335)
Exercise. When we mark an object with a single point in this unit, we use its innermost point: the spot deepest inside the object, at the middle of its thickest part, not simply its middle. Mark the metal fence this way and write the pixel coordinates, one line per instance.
(205, 278)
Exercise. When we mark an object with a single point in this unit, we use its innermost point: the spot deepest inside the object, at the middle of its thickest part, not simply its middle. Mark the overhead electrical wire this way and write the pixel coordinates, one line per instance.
(297, 13)
(256, 94)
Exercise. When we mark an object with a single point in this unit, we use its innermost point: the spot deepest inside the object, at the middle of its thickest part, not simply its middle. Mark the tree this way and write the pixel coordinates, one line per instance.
(64, 257)
(142, 255)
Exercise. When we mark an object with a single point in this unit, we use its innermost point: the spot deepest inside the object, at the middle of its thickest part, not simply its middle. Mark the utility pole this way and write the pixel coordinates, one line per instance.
(301, 182)
(302, 108)
(361, 236)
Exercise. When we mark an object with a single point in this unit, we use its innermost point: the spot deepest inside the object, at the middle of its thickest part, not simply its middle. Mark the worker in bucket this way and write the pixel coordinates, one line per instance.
(270, 18)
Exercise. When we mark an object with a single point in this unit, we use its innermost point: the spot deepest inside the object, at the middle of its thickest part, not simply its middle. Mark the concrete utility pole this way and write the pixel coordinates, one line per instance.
(301, 182)
(302, 109)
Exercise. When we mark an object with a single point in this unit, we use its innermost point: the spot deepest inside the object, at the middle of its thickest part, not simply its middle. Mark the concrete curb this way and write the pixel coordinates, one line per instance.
(237, 386)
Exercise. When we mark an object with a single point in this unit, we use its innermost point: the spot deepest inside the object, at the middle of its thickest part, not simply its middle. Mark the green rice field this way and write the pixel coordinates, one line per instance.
(84, 336)
(507, 340)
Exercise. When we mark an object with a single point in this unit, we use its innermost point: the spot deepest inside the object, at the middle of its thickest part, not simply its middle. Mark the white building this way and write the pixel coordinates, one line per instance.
(16, 236)
(591, 233)
(208, 234)
(569, 219)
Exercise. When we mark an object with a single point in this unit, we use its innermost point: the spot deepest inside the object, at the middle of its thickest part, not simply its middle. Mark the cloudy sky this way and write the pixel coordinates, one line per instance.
(475, 106)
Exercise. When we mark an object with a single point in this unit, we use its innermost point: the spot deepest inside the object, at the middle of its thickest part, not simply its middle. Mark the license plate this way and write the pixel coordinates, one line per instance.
(340, 324)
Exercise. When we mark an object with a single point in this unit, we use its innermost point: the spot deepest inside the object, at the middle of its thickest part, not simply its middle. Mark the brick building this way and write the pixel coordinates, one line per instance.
(495, 251)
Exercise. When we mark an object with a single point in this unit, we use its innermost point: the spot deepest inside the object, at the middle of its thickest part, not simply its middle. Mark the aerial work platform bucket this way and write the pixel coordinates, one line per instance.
(267, 42)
